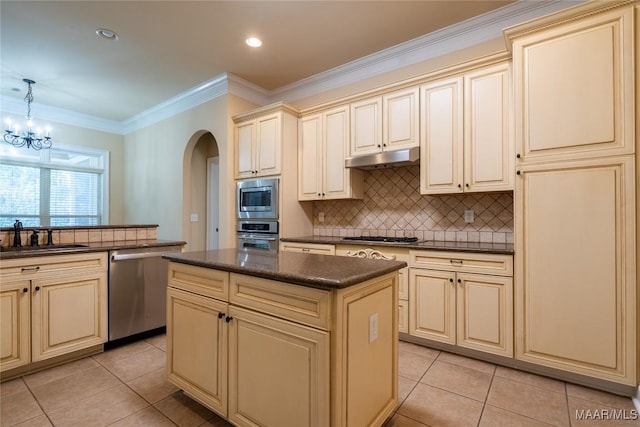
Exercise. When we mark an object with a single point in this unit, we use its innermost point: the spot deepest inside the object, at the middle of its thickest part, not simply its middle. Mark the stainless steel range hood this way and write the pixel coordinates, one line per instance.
(385, 159)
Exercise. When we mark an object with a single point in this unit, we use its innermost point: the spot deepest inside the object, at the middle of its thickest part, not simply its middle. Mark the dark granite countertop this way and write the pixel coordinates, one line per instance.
(493, 248)
(27, 251)
(318, 271)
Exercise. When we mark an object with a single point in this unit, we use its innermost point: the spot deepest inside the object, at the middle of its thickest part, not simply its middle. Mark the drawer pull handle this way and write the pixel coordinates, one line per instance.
(305, 250)
(455, 261)
(30, 268)
(228, 319)
(220, 315)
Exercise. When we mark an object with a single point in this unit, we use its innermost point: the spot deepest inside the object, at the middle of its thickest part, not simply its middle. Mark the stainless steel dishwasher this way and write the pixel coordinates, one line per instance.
(137, 290)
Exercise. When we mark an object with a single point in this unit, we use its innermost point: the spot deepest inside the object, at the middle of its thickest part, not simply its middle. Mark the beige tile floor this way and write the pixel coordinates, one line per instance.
(126, 386)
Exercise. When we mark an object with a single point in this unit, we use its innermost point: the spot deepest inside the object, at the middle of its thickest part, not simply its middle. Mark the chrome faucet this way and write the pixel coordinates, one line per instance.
(17, 228)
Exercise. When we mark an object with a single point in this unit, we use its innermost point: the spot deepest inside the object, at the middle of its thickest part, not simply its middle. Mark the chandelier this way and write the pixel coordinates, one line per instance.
(32, 138)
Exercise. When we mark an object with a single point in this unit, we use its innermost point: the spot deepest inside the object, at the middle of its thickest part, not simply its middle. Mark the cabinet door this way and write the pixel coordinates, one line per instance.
(574, 89)
(432, 305)
(485, 313)
(488, 153)
(441, 127)
(575, 267)
(400, 119)
(197, 347)
(245, 136)
(15, 324)
(310, 164)
(268, 144)
(337, 178)
(366, 126)
(68, 314)
(272, 361)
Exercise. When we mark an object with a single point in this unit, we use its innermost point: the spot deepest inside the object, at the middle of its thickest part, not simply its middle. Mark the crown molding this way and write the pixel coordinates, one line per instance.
(488, 26)
(60, 115)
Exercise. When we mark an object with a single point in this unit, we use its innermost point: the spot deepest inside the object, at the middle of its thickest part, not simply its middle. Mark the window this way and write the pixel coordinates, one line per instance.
(61, 186)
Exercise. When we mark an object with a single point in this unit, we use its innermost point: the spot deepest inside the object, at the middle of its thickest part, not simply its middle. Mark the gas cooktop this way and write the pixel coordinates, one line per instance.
(382, 239)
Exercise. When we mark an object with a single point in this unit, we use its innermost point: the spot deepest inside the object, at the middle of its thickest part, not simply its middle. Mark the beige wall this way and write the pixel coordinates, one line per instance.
(113, 143)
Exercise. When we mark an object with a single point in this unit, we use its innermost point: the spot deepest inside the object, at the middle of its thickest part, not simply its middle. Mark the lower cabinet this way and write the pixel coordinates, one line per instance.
(51, 306)
(277, 354)
(460, 308)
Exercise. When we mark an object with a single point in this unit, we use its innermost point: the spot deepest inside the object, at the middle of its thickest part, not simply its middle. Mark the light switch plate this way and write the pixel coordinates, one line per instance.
(194, 217)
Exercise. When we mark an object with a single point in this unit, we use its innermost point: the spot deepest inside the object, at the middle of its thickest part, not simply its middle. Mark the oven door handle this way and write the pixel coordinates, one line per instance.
(257, 238)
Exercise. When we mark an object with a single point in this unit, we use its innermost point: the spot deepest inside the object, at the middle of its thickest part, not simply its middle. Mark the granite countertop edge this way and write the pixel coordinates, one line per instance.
(477, 247)
(344, 280)
(28, 252)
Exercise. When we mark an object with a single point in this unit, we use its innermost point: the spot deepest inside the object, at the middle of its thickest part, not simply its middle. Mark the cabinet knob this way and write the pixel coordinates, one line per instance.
(459, 186)
(25, 290)
(322, 194)
(517, 172)
(384, 145)
(37, 288)
(450, 280)
(228, 319)
(467, 185)
(459, 280)
(517, 156)
(220, 315)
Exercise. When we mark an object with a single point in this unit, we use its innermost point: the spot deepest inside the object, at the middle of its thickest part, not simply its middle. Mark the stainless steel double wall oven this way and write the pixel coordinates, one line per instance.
(257, 214)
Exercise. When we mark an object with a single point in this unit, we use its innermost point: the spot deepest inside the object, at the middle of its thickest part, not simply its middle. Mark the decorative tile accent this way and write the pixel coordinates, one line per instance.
(393, 206)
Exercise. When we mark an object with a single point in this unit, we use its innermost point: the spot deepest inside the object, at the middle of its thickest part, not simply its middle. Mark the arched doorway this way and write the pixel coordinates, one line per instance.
(201, 193)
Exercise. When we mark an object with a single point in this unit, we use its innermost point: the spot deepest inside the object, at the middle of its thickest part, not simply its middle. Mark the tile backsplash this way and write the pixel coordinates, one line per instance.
(82, 235)
(393, 206)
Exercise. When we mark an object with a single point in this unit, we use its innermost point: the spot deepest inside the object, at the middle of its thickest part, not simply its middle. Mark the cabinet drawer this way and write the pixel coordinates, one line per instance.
(501, 265)
(199, 280)
(34, 267)
(300, 304)
(309, 248)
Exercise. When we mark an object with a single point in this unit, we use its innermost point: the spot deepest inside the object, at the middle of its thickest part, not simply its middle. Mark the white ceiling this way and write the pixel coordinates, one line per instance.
(169, 47)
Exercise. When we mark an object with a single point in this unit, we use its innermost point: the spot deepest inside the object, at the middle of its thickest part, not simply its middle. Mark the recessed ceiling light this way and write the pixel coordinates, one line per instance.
(107, 34)
(253, 42)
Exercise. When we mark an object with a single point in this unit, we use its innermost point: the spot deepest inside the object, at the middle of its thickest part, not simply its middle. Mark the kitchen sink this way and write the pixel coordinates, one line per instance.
(44, 248)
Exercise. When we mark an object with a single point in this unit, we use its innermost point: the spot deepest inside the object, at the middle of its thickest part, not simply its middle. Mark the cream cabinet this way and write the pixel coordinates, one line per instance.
(397, 254)
(574, 85)
(243, 345)
(52, 306)
(312, 248)
(466, 143)
(385, 123)
(462, 299)
(575, 260)
(323, 145)
(260, 137)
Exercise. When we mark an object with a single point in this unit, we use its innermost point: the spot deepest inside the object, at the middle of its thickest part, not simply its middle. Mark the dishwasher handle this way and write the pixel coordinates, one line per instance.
(124, 257)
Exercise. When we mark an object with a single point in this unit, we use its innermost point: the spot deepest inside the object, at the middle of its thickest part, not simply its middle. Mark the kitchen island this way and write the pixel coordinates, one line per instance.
(284, 339)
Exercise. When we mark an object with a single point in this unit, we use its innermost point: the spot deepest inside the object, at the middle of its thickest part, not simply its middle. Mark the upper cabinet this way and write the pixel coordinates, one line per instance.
(574, 93)
(322, 147)
(466, 143)
(384, 123)
(259, 141)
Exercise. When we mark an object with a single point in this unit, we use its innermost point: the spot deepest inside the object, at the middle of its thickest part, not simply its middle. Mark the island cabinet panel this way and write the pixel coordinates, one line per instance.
(197, 347)
(278, 372)
(574, 88)
(51, 306)
(282, 354)
(575, 254)
(15, 323)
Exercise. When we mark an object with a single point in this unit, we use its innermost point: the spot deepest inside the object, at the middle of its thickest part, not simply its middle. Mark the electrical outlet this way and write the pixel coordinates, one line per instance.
(373, 327)
(468, 216)
(194, 217)
(321, 217)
